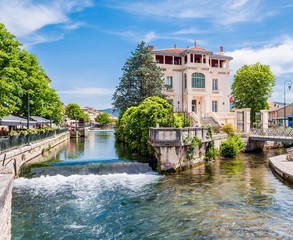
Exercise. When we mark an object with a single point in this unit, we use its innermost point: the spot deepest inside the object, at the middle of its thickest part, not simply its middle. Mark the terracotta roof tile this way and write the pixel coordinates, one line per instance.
(171, 50)
(196, 48)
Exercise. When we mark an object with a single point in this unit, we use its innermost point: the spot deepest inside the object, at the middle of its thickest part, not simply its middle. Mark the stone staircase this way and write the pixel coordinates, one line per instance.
(208, 121)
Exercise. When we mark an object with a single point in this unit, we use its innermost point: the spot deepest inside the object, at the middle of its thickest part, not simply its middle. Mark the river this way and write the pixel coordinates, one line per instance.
(236, 198)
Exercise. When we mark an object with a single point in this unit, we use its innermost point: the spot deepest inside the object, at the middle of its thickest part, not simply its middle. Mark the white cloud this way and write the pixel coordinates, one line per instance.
(189, 31)
(277, 56)
(88, 91)
(24, 18)
(221, 12)
(278, 94)
(74, 26)
(37, 39)
(150, 36)
(88, 96)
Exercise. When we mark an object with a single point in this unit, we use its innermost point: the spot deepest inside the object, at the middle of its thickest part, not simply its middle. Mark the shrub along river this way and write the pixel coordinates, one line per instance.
(85, 194)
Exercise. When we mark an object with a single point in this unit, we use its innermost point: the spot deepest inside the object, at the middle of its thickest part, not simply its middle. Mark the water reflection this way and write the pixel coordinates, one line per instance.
(237, 198)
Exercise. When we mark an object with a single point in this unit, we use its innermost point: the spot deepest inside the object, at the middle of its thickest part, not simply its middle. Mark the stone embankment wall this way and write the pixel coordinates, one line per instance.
(6, 185)
(14, 159)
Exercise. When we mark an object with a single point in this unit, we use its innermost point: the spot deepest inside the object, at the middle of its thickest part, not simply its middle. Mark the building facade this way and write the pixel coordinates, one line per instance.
(277, 113)
(196, 79)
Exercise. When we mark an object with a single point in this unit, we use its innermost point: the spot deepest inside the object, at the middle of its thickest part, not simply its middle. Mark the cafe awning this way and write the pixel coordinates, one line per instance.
(12, 120)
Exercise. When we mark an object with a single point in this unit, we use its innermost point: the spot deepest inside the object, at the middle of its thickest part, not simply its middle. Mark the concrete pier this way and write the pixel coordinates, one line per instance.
(282, 167)
(171, 147)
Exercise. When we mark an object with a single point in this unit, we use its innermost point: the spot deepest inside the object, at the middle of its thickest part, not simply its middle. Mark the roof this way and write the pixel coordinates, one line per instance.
(171, 50)
(180, 51)
(196, 48)
(40, 119)
(12, 120)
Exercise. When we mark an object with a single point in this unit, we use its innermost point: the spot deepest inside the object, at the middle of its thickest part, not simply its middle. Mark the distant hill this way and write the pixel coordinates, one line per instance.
(110, 111)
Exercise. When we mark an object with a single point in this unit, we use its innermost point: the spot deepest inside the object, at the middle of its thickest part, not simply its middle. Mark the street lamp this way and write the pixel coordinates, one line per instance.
(289, 83)
(28, 115)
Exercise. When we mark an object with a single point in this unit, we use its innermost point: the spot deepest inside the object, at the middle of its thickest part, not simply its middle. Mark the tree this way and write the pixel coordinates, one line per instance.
(9, 49)
(21, 75)
(141, 78)
(103, 119)
(133, 125)
(252, 86)
(73, 111)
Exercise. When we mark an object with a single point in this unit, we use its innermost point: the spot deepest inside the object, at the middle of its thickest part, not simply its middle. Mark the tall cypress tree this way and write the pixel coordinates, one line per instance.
(141, 79)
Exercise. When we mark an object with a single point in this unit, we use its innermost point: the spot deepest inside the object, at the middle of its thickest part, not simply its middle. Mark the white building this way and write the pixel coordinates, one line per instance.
(197, 81)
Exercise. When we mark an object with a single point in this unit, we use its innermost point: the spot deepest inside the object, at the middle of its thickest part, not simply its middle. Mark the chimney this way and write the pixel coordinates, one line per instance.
(174, 45)
(221, 50)
(151, 48)
(195, 43)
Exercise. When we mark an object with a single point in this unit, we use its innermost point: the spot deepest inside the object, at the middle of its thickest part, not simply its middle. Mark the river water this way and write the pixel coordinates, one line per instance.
(235, 198)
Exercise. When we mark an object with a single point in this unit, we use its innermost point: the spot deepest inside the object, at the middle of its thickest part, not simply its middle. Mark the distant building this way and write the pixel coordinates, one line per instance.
(196, 80)
(91, 112)
(276, 114)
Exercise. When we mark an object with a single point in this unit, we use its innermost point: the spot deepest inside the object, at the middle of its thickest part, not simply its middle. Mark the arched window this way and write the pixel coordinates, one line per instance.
(198, 80)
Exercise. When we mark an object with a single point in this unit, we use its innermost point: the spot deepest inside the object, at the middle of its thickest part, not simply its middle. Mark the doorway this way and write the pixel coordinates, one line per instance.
(193, 106)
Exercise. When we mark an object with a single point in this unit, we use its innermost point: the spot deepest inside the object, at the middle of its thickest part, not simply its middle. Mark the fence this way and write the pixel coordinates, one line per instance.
(10, 142)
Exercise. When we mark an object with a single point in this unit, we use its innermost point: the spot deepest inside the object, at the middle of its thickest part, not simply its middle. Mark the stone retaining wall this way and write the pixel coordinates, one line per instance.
(6, 185)
(14, 159)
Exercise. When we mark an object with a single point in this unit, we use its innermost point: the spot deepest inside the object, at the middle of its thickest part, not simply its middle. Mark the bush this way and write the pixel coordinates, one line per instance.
(181, 121)
(133, 125)
(229, 129)
(231, 146)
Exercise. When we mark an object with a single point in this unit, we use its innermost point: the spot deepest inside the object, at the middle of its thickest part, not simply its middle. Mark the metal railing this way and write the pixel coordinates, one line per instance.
(11, 142)
(273, 132)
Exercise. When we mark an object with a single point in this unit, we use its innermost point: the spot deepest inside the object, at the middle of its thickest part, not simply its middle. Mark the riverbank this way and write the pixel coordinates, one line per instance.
(11, 161)
(282, 167)
(6, 185)
(9, 169)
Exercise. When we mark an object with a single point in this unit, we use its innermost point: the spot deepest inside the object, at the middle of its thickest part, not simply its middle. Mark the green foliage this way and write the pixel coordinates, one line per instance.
(21, 75)
(133, 125)
(74, 112)
(103, 119)
(231, 146)
(194, 143)
(211, 150)
(229, 129)
(141, 79)
(179, 121)
(31, 131)
(252, 87)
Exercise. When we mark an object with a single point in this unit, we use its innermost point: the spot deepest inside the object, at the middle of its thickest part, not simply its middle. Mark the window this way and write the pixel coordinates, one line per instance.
(198, 80)
(185, 81)
(215, 106)
(215, 84)
(169, 82)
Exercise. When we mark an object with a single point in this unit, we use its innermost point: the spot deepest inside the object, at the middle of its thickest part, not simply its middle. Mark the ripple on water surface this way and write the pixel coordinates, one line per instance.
(228, 199)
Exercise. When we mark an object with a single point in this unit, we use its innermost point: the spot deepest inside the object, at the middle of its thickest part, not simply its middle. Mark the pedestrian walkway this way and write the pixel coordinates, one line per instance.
(282, 167)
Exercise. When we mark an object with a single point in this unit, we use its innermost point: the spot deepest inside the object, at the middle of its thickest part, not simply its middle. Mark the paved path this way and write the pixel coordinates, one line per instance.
(282, 167)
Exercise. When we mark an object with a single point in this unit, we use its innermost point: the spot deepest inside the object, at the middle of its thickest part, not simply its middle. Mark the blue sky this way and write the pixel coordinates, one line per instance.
(83, 44)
